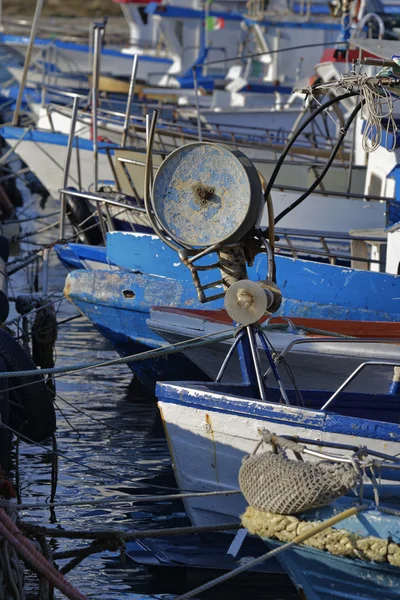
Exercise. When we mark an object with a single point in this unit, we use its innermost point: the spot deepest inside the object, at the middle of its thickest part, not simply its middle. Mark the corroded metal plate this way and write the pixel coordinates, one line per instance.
(207, 193)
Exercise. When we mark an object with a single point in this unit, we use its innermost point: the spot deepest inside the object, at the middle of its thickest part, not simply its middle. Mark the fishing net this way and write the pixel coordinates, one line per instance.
(274, 483)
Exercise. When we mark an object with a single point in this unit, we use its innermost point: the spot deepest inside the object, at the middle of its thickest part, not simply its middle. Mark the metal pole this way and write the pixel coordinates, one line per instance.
(38, 11)
(45, 270)
(196, 89)
(78, 163)
(129, 101)
(98, 31)
(206, 34)
(151, 174)
(71, 136)
(228, 356)
(256, 362)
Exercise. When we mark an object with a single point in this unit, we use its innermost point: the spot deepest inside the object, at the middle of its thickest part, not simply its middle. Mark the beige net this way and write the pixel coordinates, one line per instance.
(274, 483)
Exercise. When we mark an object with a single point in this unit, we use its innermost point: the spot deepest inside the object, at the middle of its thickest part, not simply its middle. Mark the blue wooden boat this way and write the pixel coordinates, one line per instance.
(118, 300)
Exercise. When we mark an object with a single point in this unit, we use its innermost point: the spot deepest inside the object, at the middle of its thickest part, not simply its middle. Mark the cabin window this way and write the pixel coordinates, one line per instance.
(143, 14)
(375, 185)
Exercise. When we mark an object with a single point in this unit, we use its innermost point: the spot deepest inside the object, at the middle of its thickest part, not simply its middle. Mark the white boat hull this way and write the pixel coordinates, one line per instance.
(209, 434)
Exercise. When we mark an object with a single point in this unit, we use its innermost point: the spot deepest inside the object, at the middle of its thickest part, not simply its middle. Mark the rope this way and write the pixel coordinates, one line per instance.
(127, 499)
(276, 440)
(26, 549)
(196, 342)
(378, 105)
(148, 354)
(23, 264)
(272, 553)
(35, 310)
(124, 536)
(11, 571)
(339, 542)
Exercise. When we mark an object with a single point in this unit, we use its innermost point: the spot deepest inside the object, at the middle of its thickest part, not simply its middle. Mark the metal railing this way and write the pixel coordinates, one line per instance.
(355, 373)
(319, 244)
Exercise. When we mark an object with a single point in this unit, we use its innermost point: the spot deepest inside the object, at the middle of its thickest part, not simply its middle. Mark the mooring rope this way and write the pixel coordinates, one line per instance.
(11, 570)
(124, 536)
(299, 539)
(196, 342)
(94, 470)
(127, 500)
(89, 416)
(35, 310)
(28, 552)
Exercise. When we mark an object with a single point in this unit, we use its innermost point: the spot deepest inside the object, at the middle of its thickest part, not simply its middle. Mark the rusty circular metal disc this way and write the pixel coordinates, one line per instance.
(207, 193)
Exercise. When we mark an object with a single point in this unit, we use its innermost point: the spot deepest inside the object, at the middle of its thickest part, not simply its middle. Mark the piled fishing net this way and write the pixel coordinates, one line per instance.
(274, 483)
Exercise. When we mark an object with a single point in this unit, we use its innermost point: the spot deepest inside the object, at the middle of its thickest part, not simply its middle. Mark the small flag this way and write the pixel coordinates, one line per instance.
(214, 23)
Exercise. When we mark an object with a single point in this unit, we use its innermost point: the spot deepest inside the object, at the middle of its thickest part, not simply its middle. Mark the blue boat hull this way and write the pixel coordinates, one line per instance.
(323, 576)
(118, 302)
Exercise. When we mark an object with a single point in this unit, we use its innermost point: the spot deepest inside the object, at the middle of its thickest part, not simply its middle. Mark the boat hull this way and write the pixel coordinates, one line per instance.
(117, 304)
(210, 432)
(314, 365)
(322, 576)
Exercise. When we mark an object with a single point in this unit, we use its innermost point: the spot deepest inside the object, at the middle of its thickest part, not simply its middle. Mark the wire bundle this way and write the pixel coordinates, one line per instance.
(379, 106)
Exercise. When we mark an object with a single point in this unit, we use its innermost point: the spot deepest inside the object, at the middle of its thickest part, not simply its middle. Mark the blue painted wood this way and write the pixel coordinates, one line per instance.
(309, 289)
(11, 39)
(157, 278)
(72, 255)
(50, 137)
(229, 399)
(117, 303)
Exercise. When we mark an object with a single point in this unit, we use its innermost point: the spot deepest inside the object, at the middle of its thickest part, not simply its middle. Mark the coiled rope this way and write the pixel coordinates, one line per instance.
(264, 557)
(339, 542)
(11, 570)
(28, 552)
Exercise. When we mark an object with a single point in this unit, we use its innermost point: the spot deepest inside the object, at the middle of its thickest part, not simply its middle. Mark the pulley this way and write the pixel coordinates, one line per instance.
(246, 301)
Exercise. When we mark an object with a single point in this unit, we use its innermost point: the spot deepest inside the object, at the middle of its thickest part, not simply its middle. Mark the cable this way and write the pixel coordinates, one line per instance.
(255, 54)
(140, 475)
(300, 130)
(343, 133)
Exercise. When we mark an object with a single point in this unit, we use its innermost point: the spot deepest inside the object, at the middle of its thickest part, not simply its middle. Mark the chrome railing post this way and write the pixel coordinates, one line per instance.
(67, 165)
(28, 55)
(97, 38)
(129, 100)
(98, 32)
